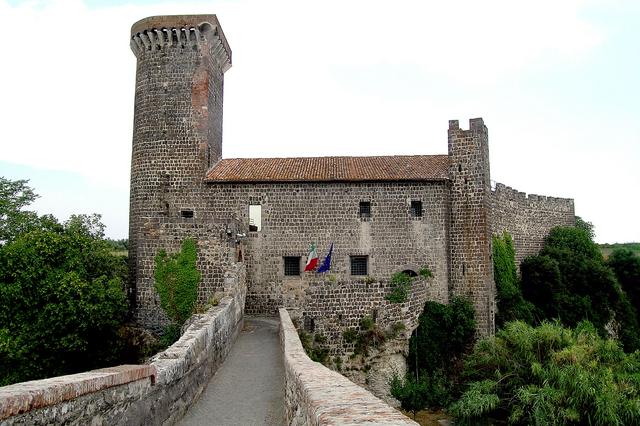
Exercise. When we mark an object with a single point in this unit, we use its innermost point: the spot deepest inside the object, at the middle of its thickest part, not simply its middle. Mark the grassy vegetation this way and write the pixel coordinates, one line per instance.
(606, 249)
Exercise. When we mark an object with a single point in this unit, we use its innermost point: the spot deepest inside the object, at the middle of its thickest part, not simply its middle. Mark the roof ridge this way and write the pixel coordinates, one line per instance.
(338, 156)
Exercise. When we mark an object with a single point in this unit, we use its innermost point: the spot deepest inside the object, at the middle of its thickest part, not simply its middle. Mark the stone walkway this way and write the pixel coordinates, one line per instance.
(248, 389)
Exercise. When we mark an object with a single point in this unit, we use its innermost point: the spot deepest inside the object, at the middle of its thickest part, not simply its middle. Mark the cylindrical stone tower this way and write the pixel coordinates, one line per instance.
(177, 134)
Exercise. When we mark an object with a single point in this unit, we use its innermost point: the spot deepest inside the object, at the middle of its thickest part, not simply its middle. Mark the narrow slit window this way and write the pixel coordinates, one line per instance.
(291, 265)
(359, 265)
(416, 208)
(365, 209)
(255, 217)
(187, 214)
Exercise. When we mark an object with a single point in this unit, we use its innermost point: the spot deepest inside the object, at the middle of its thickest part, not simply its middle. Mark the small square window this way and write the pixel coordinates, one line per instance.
(292, 265)
(187, 214)
(365, 209)
(359, 265)
(416, 208)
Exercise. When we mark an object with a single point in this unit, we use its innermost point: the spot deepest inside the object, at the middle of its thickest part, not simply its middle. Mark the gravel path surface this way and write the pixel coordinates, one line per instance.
(248, 389)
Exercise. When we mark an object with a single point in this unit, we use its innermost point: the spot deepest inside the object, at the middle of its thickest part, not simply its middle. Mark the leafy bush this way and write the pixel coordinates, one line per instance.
(369, 336)
(395, 329)
(444, 333)
(62, 301)
(314, 346)
(510, 303)
(425, 272)
(350, 335)
(176, 280)
(400, 286)
(431, 391)
(367, 323)
(550, 375)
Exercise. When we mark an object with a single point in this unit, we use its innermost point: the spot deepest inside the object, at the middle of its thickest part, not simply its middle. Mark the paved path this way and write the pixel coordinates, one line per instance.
(248, 388)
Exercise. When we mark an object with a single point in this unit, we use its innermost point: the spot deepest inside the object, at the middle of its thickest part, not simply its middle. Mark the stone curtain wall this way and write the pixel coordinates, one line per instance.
(528, 218)
(296, 214)
(315, 395)
(154, 394)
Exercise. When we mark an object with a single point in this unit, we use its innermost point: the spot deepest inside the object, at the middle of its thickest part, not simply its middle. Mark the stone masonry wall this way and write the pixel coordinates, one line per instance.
(528, 218)
(296, 214)
(471, 267)
(177, 136)
(154, 394)
(216, 260)
(334, 307)
(315, 395)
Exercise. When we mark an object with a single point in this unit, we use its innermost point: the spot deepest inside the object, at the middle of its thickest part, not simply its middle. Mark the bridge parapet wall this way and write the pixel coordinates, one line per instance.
(316, 395)
(154, 394)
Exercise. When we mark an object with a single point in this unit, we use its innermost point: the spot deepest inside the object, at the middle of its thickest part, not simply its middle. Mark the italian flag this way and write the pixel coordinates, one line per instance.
(312, 259)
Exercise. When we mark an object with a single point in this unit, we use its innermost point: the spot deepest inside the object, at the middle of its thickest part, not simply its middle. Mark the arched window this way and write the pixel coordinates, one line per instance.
(410, 272)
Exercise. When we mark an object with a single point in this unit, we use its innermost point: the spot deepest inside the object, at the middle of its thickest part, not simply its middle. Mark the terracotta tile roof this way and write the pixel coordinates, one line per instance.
(331, 169)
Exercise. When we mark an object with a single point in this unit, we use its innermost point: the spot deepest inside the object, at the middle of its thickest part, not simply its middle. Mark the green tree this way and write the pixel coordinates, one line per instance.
(62, 301)
(176, 280)
(436, 348)
(586, 227)
(570, 281)
(626, 265)
(14, 220)
(550, 375)
(413, 394)
(510, 303)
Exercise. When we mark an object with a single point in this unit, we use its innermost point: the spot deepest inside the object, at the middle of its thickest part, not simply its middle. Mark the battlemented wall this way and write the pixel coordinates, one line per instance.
(528, 218)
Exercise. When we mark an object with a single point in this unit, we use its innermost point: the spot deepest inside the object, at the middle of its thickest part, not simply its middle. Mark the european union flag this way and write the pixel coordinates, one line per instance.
(326, 264)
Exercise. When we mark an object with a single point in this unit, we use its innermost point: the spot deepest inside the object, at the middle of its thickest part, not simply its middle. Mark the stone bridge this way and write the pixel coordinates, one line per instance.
(224, 370)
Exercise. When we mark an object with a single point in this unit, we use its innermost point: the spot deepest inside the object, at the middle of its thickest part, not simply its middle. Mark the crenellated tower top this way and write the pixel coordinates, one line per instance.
(156, 33)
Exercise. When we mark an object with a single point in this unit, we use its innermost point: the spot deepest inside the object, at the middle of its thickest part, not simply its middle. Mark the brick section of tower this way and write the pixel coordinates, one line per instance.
(177, 137)
(470, 263)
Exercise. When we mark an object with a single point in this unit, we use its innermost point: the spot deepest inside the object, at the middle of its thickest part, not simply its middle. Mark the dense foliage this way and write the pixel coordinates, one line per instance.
(607, 249)
(14, 220)
(176, 280)
(510, 303)
(626, 265)
(400, 288)
(570, 281)
(61, 299)
(436, 347)
(401, 284)
(550, 375)
(119, 246)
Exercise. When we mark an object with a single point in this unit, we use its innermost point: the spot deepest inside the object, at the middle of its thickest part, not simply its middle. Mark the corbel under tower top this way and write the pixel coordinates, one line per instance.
(156, 33)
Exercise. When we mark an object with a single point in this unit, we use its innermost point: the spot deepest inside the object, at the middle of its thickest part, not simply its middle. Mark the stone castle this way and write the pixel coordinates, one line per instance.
(256, 217)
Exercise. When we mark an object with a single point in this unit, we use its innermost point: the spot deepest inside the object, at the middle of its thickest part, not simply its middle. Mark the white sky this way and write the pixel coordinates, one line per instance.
(557, 83)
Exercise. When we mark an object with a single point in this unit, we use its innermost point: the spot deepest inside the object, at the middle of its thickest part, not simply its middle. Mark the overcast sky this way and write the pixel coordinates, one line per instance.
(556, 81)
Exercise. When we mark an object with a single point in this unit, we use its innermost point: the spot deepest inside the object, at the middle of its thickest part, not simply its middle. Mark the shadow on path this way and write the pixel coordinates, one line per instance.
(248, 388)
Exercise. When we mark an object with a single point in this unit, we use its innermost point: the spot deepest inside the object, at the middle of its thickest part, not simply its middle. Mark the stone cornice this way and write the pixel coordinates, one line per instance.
(158, 33)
